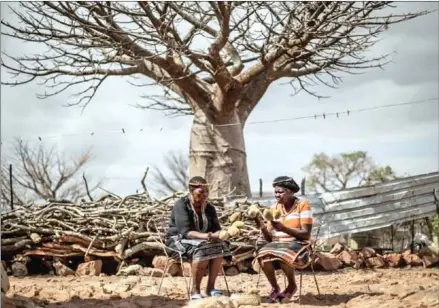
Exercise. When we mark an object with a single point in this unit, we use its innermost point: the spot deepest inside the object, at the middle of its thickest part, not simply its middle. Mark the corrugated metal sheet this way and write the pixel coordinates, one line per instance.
(368, 208)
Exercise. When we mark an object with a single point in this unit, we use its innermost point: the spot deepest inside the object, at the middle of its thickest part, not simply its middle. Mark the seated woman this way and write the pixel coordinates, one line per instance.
(284, 237)
(194, 231)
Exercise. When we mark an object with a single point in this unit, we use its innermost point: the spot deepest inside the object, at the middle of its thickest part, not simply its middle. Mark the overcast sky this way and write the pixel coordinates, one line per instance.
(406, 137)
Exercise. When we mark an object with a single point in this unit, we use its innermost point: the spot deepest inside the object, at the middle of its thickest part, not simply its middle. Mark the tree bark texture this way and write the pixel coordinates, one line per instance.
(217, 146)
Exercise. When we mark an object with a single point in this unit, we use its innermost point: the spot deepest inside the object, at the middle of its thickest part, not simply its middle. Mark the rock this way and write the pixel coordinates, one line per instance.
(231, 271)
(53, 294)
(401, 291)
(161, 262)
(375, 262)
(62, 270)
(412, 259)
(327, 261)
(212, 302)
(337, 249)
(117, 288)
(19, 269)
(152, 272)
(130, 270)
(429, 261)
(367, 252)
(349, 258)
(394, 259)
(92, 268)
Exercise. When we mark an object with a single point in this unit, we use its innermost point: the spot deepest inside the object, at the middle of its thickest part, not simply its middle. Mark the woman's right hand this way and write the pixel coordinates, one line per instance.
(214, 237)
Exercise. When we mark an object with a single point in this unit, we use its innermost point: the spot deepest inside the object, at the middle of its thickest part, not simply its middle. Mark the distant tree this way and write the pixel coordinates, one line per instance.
(173, 176)
(41, 173)
(343, 171)
(214, 60)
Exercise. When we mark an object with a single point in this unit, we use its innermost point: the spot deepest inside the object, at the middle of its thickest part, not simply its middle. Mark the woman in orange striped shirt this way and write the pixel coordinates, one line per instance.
(284, 237)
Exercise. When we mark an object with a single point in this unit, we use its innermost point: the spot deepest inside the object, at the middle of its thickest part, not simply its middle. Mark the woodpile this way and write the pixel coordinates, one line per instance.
(124, 229)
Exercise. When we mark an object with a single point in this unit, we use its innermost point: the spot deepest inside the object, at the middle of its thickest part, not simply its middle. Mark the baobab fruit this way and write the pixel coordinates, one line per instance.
(238, 224)
(268, 215)
(277, 214)
(233, 231)
(234, 217)
(253, 211)
(224, 235)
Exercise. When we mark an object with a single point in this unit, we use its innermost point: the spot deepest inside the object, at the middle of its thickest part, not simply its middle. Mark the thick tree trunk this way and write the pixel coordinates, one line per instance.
(217, 153)
(217, 149)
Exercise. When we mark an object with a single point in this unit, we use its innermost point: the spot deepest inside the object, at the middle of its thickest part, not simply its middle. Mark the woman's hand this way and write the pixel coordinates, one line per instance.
(214, 237)
(277, 225)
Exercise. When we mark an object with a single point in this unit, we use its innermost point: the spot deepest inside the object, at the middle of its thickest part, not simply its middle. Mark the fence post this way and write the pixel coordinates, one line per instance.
(302, 186)
(10, 187)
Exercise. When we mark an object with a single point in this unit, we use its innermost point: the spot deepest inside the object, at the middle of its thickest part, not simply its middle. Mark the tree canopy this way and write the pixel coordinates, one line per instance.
(345, 170)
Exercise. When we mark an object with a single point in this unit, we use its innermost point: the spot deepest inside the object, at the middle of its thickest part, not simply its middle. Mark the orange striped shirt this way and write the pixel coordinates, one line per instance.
(299, 215)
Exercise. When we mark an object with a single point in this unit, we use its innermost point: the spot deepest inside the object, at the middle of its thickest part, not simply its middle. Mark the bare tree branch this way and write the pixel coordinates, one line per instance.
(195, 50)
(173, 176)
(40, 173)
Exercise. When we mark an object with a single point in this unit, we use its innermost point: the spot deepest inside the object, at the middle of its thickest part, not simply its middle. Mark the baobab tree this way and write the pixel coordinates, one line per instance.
(214, 60)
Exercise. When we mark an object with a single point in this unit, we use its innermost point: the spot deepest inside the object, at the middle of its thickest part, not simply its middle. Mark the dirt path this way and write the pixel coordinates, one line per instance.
(348, 288)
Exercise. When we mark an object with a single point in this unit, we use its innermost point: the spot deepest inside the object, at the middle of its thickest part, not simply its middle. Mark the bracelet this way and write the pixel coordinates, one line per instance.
(209, 236)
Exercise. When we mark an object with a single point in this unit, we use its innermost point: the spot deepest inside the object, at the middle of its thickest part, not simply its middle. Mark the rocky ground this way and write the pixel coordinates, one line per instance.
(415, 287)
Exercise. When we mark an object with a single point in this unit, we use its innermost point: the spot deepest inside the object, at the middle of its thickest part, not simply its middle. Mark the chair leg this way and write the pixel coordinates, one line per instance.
(225, 280)
(315, 279)
(184, 276)
(163, 276)
(259, 276)
(300, 288)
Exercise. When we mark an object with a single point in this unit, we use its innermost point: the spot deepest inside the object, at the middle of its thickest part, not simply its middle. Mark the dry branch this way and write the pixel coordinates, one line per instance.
(109, 227)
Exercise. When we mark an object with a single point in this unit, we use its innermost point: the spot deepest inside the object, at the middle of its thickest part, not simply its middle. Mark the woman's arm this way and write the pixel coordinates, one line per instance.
(265, 233)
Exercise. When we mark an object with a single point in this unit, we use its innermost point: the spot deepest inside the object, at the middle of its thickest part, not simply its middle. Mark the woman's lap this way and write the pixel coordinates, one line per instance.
(286, 253)
(198, 250)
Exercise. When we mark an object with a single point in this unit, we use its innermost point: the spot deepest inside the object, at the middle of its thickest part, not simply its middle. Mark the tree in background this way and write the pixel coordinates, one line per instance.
(343, 171)
(173, 176)
(41, 173)
(214, 60)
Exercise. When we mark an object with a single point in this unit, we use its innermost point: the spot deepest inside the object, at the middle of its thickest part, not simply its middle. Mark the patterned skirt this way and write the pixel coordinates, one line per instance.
(282, 252)
(198, 250)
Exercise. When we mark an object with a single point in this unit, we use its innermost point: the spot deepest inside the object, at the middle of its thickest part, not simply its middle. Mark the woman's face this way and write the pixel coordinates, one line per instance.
(282, 194)
(200, 194)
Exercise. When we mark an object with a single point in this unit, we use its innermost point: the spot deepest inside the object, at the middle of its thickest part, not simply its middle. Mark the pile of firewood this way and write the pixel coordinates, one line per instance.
(112, 226)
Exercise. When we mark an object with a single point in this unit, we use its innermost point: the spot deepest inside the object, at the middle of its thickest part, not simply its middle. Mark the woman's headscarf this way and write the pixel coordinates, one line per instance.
(286, 182)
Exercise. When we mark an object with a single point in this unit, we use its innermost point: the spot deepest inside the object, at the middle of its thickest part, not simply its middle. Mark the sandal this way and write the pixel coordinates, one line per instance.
(195, 297)
(287, 295)
(273, 297)
(215, 292)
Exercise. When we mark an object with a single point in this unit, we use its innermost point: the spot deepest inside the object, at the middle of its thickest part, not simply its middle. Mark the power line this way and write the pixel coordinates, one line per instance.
(315, 116)
(337, 114)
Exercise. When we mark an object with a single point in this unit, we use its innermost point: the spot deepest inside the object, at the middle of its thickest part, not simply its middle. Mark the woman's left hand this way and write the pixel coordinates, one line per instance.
(277, 225)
